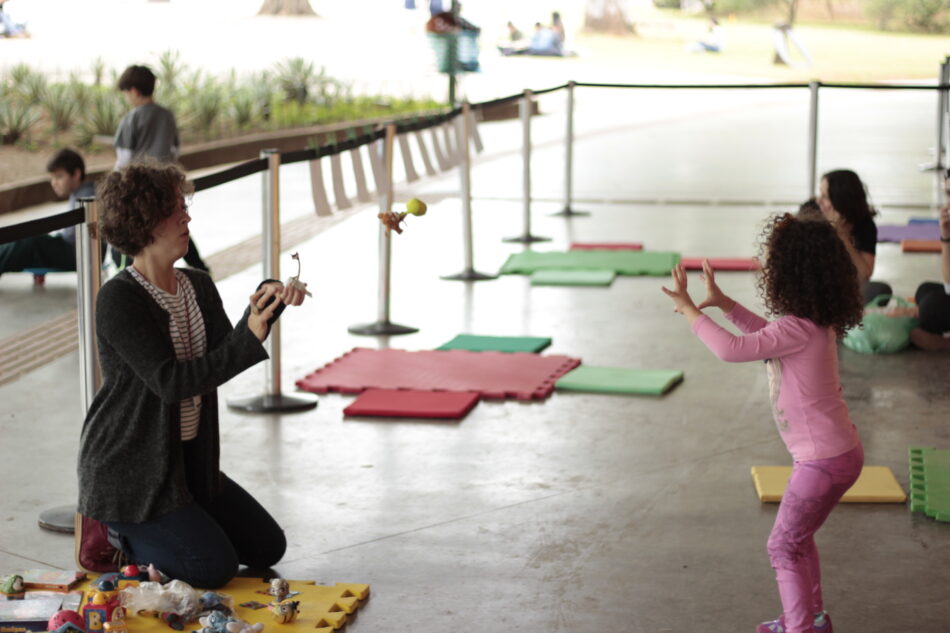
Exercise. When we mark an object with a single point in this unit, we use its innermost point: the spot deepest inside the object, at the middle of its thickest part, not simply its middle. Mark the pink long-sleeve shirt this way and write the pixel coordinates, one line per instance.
(806, 395)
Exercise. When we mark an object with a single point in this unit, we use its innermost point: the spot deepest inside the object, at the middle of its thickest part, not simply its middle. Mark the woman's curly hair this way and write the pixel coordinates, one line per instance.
(135, 199)
(808, 273)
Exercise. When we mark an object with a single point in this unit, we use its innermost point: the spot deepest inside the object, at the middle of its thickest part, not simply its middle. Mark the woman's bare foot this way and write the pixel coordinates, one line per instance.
(928, 341)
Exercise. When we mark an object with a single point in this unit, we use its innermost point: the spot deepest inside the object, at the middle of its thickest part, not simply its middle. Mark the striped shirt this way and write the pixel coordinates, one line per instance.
(187, 329)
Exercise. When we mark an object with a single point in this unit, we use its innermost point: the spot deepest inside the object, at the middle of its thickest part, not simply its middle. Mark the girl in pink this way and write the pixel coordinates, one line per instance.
(810, 283)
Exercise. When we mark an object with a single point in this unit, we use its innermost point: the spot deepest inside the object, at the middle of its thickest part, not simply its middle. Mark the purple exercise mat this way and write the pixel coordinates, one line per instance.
(897, 233)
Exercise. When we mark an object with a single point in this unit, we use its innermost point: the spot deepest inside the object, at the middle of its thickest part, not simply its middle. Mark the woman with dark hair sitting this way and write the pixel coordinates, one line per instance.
(149, 450)
(843, 201)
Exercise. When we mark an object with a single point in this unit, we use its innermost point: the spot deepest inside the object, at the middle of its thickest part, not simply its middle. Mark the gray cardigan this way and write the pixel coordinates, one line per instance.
(132, 462)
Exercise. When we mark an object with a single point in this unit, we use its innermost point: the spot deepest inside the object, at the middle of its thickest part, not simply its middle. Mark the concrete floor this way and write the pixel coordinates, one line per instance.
(580, 513)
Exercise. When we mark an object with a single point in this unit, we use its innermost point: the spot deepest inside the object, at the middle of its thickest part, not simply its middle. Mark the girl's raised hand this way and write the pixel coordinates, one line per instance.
(680, 296)
(714, 296)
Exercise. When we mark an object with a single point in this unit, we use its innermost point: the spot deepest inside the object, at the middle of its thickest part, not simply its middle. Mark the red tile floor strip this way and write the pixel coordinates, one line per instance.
(408, 403)
(492, 374)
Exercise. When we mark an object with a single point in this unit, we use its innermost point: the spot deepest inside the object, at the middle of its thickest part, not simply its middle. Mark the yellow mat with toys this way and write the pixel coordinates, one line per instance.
(244, 605)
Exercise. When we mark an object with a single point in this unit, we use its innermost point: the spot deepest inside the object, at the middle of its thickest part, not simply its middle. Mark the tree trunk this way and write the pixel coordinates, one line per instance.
(286, 7)
(607, 16)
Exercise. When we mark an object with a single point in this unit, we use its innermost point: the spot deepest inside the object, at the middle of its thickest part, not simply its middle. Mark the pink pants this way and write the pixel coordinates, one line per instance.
(814, 488)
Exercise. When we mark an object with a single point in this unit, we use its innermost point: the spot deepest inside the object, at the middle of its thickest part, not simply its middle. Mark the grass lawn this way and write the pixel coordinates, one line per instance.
(840, 54)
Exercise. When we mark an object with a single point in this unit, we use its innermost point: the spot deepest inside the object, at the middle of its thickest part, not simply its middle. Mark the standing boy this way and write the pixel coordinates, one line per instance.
(56, 250)
(148, 131)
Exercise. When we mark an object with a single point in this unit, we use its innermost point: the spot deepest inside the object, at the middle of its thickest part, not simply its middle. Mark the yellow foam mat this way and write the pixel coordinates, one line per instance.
(876, 484)
(322, 608)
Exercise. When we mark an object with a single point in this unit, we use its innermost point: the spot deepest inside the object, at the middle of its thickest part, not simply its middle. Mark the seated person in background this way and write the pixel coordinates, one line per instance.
(514, 35)
(809, 210)
(58, 249)
(10, 28)
(843, 201)
(712, 43)
(933, 299)
(544, 42)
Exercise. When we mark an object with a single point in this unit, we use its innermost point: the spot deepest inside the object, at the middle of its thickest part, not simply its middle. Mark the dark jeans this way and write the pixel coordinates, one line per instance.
(934, 305)
(41, 251)
(204, 545)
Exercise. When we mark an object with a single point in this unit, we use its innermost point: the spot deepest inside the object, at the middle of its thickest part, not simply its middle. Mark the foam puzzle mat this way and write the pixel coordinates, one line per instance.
(491, 374)
(913, 231)
(322, 608)
(654, 382)
(721, 263)
(623, 262)
(555, 277)
(407, 403)
(920, 246)
(930, 482)
(876, 484)
(476, 343)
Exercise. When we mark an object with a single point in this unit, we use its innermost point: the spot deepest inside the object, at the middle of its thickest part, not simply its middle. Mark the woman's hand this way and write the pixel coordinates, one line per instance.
(682, 302)
(945, 221)
(715, 298)
(264, 303)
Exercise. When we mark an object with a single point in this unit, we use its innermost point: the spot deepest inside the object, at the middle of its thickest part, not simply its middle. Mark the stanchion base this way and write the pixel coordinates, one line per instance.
(568, 212)
(469, 275)
(934, 166)
(61, 519)
(279, 403)
(527, 239)
(381, 328)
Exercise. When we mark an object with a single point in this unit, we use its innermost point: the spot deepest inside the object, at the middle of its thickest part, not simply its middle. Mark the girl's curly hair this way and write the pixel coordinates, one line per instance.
(808, 273)
(135, 199)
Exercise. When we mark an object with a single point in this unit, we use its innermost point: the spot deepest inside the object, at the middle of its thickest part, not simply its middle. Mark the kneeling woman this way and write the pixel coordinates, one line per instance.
(148, 457)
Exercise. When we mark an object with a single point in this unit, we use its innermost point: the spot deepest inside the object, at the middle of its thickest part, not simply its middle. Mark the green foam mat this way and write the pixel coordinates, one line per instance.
(474, 343)
(930, 482)
(654, 263)
(556, 277)
(653, 382)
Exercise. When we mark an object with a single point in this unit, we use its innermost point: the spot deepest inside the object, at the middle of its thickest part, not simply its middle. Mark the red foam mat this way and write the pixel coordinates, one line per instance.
(492, 374)
(721, 263)
(402, 403)
(606, 246)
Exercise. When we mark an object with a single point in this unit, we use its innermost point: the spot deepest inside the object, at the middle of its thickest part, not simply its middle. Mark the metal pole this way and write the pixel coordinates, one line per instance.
(273, 400)
(90, 280)
(465, 176)
(383, 325)
(270, 241)
(940, 149)
(525, 106)
(813, 139)
(89, 277)
(385, 237)
(567, 211)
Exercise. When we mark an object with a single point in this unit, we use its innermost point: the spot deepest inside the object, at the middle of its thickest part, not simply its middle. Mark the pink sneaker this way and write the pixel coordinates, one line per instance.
(822, 624)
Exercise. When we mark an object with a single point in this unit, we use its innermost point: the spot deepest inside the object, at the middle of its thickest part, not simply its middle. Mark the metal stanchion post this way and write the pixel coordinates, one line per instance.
(272, 400)
(940, 150)
(89, 278)
(813, 139)
(383, 326)
(465, 174)
(567, 211)
(526, 237)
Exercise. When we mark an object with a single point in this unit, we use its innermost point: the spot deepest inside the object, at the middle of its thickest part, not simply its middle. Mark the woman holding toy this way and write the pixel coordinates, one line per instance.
(809, 281)
(148, 459)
